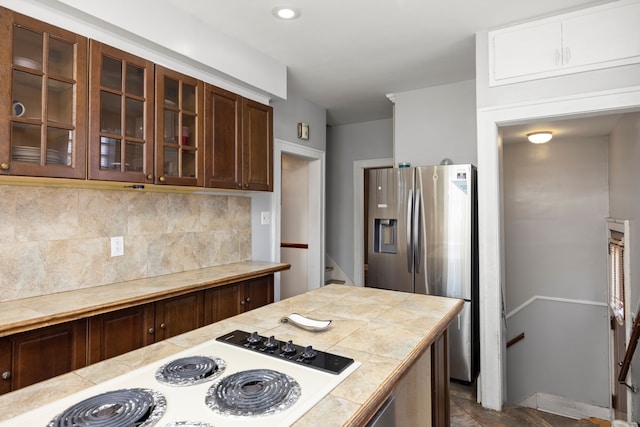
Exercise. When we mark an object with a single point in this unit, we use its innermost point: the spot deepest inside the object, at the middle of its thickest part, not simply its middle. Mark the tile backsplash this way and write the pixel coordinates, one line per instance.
(59, 239)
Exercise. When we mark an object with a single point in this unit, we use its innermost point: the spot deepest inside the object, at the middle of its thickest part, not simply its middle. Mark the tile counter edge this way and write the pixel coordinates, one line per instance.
(31, 313)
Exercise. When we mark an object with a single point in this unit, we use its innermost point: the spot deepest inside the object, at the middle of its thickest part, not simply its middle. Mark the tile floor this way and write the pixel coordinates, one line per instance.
(465, 412)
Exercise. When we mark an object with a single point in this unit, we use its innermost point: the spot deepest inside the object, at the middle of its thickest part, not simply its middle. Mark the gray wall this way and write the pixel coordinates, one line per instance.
(555, 201)
(346, 144)
(436, 122)
(624, 203)
(286, 116)
(288, 113)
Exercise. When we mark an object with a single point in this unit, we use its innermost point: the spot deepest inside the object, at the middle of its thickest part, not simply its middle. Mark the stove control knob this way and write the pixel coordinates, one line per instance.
(254, 338)
(271, 343)
(289, 348)
(308, 353)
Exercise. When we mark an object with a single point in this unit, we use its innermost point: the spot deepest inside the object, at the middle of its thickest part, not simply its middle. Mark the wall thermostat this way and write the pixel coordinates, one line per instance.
(303, 130)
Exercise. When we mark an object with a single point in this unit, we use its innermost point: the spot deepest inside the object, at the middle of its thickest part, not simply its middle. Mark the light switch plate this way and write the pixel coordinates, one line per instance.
(117, 246)
(265, 218)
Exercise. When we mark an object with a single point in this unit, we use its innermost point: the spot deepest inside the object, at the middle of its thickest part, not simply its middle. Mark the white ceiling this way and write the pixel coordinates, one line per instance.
(346, 55)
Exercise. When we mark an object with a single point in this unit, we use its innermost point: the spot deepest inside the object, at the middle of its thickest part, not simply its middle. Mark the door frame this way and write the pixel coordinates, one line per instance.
(359, 166)
(492, 382)
(316, 220)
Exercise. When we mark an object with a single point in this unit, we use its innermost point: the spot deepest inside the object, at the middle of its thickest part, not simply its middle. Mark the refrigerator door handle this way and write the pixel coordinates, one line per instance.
(417, 241)
(409, 242)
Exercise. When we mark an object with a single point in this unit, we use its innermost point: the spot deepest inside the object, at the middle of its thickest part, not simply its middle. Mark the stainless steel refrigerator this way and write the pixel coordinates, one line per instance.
(423, 238)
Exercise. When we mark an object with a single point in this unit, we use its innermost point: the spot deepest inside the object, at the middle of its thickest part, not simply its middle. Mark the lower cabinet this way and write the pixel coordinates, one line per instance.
(227, 301)
(29, 357)
(118, 332)
(34, 356)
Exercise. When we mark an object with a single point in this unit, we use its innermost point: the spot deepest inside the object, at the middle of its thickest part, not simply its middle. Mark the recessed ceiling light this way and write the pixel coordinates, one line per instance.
(540, 137)
(285, 12)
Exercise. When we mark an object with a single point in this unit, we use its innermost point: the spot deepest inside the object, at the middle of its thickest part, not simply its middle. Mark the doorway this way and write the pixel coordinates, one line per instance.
(299, 183)
(294, 230)
(492, 273)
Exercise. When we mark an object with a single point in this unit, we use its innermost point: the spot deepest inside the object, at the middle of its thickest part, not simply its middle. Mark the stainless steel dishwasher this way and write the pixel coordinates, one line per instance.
(385, 417)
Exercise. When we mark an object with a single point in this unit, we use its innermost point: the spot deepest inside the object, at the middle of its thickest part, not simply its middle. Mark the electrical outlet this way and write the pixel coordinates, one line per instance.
(265, 218)
(117, 246)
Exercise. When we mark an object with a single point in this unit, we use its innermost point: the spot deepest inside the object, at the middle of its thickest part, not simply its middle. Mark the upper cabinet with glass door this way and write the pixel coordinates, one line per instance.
(120, 116)
(179, 129)
(43, 95)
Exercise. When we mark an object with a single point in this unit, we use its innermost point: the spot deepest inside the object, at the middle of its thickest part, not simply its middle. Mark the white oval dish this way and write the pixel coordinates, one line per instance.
(306, 322)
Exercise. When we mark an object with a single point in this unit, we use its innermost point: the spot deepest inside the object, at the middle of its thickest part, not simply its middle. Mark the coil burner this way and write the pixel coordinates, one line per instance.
(190, 370)
(128, 407)
(255, 392)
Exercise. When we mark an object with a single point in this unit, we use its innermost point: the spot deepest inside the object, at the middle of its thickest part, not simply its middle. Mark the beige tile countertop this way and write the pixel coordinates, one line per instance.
(386, 331)
(35, 312)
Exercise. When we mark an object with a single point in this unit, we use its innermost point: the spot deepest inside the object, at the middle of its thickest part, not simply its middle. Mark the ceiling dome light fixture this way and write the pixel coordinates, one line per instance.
(540, 137)
(285, 12)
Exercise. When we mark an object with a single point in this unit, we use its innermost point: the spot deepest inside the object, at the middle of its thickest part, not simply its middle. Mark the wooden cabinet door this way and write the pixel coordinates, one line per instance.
(5, 365)
(43, 99)
(177, 315)
(257, 146)
(223, 302)
(44, 353)
(258, 292)
(223, 135)
(120, 116)
(179, 138)
(121, 331)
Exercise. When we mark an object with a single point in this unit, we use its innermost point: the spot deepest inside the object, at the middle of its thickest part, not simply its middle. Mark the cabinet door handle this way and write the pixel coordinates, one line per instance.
(567, 55)
(152, 331)
(248, 299)
(4, 166)
(149, 177)
(162, 325)
(162, 179)
(6, 375)
(558, 58)
(242, 302)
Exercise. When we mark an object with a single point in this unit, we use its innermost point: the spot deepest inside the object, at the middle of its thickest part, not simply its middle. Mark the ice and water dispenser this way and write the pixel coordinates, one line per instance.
(385, 235)
(385, 228)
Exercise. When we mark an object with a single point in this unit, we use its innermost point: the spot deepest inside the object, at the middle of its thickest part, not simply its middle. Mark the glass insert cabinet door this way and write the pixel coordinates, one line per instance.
(120, 116)
(179, 129)
(43, 94)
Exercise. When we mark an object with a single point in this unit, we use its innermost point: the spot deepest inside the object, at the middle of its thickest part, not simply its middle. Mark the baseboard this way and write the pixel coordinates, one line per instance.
(566, 407)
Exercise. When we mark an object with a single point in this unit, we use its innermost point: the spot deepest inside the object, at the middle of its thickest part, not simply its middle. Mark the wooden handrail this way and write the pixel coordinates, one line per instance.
(512, 341)
(294, 245)
(631, 349)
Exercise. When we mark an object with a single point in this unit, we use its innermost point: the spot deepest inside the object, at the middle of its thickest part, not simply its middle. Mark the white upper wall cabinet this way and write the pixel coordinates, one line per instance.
(598, 37)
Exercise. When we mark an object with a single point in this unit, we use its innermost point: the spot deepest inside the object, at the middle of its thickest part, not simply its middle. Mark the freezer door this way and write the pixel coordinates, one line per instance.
(390, 255)
(443, 230)
(460, 352)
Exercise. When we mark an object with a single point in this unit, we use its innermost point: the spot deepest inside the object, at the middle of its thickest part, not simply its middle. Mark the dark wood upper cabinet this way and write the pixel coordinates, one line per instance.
(223, 133)
(121, 111)
(257, 146)
(179, 153)
(43, 99)
(239, 142)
